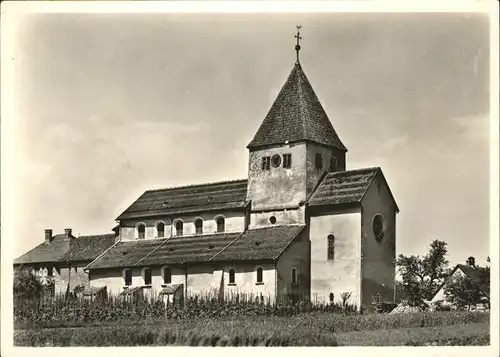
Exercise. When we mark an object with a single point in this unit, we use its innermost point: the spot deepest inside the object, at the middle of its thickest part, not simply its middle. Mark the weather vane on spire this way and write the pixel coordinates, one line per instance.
(297, 46)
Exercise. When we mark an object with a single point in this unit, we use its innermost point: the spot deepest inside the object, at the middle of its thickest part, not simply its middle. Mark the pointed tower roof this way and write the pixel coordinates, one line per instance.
(296, 115)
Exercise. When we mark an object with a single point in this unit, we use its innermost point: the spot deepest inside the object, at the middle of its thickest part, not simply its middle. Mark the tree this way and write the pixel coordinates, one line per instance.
(26, 285)
(422, 276)
(463, 292)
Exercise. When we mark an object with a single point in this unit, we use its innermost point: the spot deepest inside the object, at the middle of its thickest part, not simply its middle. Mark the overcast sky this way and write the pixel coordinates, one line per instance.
(108, 106)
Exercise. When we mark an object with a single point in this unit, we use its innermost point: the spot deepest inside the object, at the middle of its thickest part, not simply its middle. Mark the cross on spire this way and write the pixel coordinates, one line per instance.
(297, 46)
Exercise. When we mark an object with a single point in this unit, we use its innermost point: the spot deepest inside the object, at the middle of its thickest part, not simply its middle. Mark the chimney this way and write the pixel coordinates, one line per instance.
(48, 235)
(471, 261)
(67, 233)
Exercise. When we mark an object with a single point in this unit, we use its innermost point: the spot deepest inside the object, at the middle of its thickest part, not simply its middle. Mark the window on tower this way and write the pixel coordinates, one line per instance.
(318, 162)
(331, 247)
(266, 163)
(287, 161)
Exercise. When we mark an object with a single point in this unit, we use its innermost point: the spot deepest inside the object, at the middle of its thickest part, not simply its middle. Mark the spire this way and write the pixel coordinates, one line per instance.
(296, 115)
(297, 46)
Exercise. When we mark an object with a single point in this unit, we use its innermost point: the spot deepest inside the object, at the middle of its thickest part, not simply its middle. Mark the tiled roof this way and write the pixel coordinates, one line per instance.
(126, 253)
(189, 249)
(194, 198)
(296, 115)
(260, 243)
(475, 274)
(343, 187)
(62, 249)
(170, 289)
(86, 248)
(46, 252)
(200, 248)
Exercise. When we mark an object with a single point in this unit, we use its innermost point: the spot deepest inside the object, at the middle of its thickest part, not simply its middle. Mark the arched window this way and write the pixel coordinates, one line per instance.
(331, 297)
(179, 226)
(333, 164)
(167, 275)
(294, 276)
(127, 276)
(147, 276)
(198, 225)
(331, 247)
(259, 275)
(141, 231)
(221, 224)
(232, 276)
(160, 230)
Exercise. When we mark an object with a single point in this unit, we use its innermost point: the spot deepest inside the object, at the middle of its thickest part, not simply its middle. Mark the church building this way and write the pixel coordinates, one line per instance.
(300, 227)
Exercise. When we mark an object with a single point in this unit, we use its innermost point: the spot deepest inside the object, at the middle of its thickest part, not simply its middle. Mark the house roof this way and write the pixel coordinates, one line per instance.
(194, 198)
(86, 248)
(345, 187)
(296, 115)
(200, 248)
(473, 273)
(46, 252)
(62, 249)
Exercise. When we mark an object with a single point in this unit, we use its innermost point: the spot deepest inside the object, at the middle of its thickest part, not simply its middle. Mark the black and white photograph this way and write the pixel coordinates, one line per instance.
(200, 175)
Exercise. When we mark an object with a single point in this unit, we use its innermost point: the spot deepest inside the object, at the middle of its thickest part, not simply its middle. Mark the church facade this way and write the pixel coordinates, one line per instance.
(300, 227)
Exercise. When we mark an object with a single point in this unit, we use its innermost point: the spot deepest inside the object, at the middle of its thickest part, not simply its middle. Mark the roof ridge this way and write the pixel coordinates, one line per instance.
(356, 170)
(198, 185)
(95, 235)
(277, 226)
(301, 99)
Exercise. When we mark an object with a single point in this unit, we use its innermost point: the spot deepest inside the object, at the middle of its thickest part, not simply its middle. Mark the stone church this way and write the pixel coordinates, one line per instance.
(300, 227)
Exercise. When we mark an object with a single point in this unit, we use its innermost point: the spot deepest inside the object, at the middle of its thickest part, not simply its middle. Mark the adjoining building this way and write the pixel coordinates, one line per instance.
(60, 259)
(472, 272)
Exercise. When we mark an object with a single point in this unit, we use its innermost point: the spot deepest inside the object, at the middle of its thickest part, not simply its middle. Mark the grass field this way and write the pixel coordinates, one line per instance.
(312, 329)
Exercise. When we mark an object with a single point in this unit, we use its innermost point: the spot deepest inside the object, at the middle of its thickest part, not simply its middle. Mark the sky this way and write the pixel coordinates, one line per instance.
(109, 105)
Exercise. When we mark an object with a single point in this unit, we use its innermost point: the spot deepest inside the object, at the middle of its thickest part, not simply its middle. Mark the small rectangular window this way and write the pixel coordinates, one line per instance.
(128, 277)
(167, 276)
(50, 272)
(266, 163)
(318, 161)
(232, 279)
(287, 161)
(259, 276)
(331, 247)
(147, 276)
(333, 164)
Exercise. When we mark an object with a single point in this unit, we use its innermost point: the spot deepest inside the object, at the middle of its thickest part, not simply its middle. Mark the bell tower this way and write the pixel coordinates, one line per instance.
(293, 148)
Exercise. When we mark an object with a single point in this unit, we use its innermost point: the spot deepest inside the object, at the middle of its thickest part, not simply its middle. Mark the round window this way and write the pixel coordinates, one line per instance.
(272, 220)
(276, 160)
(379, 227)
